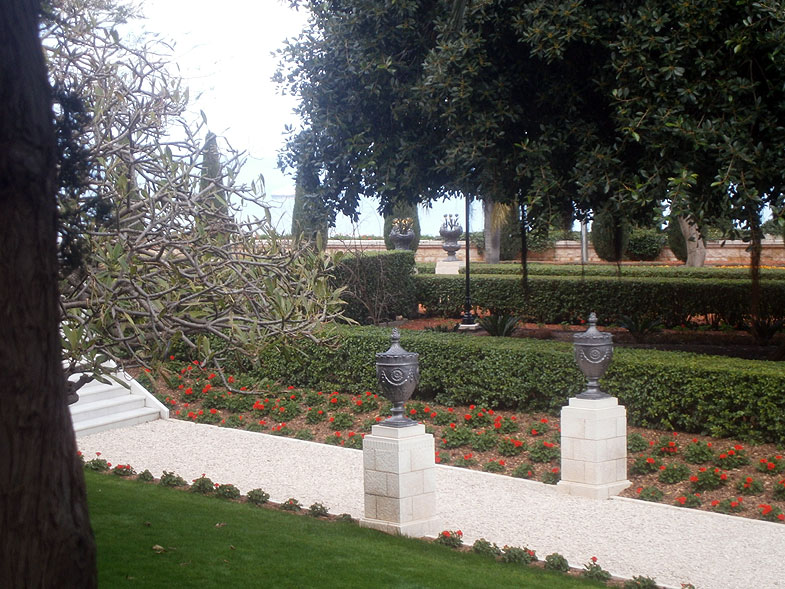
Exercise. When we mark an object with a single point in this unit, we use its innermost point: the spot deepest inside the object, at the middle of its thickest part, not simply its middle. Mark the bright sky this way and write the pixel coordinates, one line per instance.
(225, 52)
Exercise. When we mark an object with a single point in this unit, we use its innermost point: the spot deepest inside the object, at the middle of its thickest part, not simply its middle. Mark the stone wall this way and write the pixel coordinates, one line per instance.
(565, 252)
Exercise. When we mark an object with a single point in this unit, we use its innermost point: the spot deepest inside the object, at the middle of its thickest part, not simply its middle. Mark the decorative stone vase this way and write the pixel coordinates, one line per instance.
(398, 373)
(593, 353)
(401, 241)
(450, 234)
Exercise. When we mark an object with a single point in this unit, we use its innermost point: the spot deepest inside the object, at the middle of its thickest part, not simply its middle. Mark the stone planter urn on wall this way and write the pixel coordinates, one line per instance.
(450, 232)
(402, 234)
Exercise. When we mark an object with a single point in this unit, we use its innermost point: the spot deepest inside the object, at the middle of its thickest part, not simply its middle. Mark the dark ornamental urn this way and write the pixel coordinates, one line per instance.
(450, 232)
(593, 353)
(398, 373)
(402, 240)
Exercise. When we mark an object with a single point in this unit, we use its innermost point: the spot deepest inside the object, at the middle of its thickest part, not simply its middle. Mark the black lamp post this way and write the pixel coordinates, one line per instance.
(467, 309)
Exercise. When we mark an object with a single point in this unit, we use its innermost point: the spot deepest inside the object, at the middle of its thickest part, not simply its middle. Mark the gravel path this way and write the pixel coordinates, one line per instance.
(670, 544)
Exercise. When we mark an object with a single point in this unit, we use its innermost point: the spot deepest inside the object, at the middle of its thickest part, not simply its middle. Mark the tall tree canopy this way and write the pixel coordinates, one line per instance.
(571, 105)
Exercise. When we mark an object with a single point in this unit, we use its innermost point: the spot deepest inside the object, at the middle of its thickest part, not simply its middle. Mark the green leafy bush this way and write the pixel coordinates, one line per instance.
(721, 397)
(636, 443)
(203, 485)
(645, 244)
(258, 497)
(555, 299)
(698, 452)
(556, 562)
(673, 473)
(652, 494)
(523, 471)
(379, 285)
(170, 479)
(500, 325)
(227, 491)
(482, 546)
(518, 555)
(610, 233)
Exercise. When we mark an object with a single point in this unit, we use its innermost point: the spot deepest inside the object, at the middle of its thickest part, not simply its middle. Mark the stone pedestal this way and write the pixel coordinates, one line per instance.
(400, 481)
(593, 448)
(445, 267)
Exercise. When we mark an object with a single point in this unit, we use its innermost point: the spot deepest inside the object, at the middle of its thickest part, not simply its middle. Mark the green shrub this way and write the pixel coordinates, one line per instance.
(145, 476)
(721, 397)
(482, 546)
(641, 583)
(609, 234)
(227, 491)
(636, 443)
(523, 471)
(318, 510)
(628, 271)
(258, 497)
(674, 473)
(170, 479)
(544, 452)
(645, 244)
(652, 494)
(556, 562)
(556, 299)
(379, 285)
(517, 555)
(203, 485)
(291, 504)
(698, 452)
(494, 466)
(499, 325)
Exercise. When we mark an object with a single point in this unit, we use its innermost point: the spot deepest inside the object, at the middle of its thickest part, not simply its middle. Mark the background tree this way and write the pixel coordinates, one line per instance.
(46, 540)
(363, 129)
(310, 219)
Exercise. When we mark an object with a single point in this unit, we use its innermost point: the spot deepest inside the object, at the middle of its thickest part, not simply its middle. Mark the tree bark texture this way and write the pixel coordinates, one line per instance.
(696, 247)
(45, 534)
(492, 230)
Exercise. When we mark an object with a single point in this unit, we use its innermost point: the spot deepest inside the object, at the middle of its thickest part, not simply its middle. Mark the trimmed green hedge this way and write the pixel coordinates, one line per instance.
(562, 298)
(724, 397)
(538, 269)
(379, 285)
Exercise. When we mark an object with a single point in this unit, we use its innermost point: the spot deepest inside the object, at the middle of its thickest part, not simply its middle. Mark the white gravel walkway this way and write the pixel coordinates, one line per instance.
(672, 545)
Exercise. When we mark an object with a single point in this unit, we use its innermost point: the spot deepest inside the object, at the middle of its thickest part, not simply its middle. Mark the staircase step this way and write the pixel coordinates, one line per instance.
(116, 420)
(90, 408)
(95, 391)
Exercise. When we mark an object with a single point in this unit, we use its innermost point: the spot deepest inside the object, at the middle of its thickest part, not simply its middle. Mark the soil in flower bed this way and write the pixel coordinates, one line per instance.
(676, 468)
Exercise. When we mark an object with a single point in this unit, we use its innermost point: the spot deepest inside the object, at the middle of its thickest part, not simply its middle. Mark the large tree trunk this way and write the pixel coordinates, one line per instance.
(45, 535)
(696, 247)
(492, 229)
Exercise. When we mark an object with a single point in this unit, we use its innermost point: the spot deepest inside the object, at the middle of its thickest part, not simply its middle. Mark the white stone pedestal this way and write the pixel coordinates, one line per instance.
(445, 267)
(400, 481)
(593, 448)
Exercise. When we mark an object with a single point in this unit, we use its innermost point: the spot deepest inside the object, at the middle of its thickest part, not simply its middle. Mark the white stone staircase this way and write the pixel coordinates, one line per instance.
(108, 406)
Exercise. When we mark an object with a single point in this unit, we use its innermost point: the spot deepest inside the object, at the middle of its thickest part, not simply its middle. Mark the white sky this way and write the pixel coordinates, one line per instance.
(224, 50)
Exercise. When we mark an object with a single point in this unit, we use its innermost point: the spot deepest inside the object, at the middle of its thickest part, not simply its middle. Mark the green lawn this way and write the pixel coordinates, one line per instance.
(209, 542)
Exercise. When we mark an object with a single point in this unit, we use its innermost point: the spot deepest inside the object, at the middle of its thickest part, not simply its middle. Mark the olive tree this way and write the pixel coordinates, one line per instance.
(170, 256)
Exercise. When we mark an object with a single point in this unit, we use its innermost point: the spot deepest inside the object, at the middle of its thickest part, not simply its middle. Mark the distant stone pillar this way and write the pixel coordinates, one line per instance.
(400, 481)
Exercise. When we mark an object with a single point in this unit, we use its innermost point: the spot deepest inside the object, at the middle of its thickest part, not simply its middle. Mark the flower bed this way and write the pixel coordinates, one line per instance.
(671, 467)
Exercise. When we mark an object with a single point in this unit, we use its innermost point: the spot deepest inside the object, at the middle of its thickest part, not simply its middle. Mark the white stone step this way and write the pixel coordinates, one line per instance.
(95, 391)
(116, 420)
(89, 408)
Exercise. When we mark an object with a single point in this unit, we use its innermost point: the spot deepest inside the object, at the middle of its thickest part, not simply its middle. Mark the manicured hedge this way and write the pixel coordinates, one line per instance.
(537, 269)
(379, 285)
(563, 298)
(724, 397)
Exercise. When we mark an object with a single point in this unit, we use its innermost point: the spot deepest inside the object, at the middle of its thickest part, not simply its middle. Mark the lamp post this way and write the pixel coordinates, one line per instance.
(468, 320)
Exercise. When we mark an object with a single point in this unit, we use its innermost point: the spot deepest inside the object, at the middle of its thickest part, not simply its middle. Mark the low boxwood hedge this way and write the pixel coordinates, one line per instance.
(554, 299)
(694, 393)
(540, 269)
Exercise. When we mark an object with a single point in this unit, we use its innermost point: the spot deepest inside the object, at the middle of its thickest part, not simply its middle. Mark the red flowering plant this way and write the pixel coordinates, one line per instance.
(645, 465)
(749, 486)
(539, 428)
(315, 415)
(484, 440)
(124, 470)
(689, 500)
(451, 538)
(551, 476)
(466, 460)
(772, 465)
(544, 452)
(771, 513)
(708, 479)
(732, 458)
(668, 446)
(698, 452)
(728, 506)
(495, 466)
(592, 570)
(509, 446)
(779, 491)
